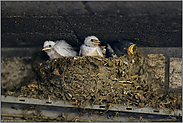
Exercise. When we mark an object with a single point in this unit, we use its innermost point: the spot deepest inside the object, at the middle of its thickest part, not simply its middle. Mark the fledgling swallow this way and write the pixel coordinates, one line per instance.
(58, 49)
(120, 48)
(90, 47)
(103, 49)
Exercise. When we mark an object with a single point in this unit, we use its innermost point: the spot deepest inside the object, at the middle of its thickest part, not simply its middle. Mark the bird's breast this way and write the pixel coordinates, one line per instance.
(94, 53)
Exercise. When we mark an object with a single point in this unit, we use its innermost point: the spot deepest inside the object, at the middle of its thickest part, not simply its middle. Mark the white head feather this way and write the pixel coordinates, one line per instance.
(48, 44)
(88, 46)
(88, 41)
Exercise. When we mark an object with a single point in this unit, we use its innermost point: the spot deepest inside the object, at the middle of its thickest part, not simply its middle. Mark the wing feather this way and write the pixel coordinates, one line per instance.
(100, 52)
(64, 49)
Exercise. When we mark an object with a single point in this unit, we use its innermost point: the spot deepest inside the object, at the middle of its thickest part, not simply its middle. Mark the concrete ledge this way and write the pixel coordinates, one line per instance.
(167, 51)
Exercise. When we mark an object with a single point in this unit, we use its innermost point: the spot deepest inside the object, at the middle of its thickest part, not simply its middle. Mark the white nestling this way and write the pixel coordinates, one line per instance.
(58, 49)
(90, 47)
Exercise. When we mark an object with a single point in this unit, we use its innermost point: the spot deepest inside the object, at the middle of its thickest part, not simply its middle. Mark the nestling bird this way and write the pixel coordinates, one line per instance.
(103, 49)
(90, 47)
(120, 48)
(58, 49)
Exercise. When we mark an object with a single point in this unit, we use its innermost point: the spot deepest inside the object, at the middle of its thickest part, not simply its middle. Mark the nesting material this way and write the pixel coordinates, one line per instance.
(127, 80)
(175, 73)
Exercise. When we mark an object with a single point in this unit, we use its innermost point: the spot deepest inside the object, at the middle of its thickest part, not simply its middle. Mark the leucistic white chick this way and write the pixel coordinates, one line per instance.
(58, 49)
(90, 47)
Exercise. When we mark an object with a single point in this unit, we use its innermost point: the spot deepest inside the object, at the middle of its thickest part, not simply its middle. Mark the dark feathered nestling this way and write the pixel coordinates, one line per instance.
(120, 48)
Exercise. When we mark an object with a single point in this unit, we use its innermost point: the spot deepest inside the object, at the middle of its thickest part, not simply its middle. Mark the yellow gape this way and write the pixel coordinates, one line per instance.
(131, 48)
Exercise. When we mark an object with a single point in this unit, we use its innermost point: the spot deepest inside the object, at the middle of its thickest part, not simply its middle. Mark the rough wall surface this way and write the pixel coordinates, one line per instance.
(175, 73)
(29, 24)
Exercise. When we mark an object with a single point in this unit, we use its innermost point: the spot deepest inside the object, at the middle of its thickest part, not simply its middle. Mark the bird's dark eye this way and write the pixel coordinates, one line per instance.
(91, 39)
(49, 45)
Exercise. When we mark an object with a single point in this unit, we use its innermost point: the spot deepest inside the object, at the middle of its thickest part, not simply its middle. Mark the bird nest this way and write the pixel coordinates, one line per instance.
(127, 80)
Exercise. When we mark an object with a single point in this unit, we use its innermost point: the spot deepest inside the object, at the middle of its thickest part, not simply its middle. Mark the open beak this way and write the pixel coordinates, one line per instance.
(45, 49)
(131, 48)
(96, 42)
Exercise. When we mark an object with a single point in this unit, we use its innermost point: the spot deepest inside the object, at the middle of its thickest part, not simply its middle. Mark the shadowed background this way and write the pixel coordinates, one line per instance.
(148, 24)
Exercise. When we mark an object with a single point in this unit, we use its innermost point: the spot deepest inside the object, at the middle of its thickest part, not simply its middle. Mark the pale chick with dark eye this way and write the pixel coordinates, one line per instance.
(90, 47)
(58, 49)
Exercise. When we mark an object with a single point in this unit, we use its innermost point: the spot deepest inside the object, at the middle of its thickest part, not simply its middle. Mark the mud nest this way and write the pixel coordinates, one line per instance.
(128, 80)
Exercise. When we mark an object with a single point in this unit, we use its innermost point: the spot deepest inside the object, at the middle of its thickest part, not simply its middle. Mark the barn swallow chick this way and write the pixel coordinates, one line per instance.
(120, 48)
(90, 47)
(58, 49)
(103, 49)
